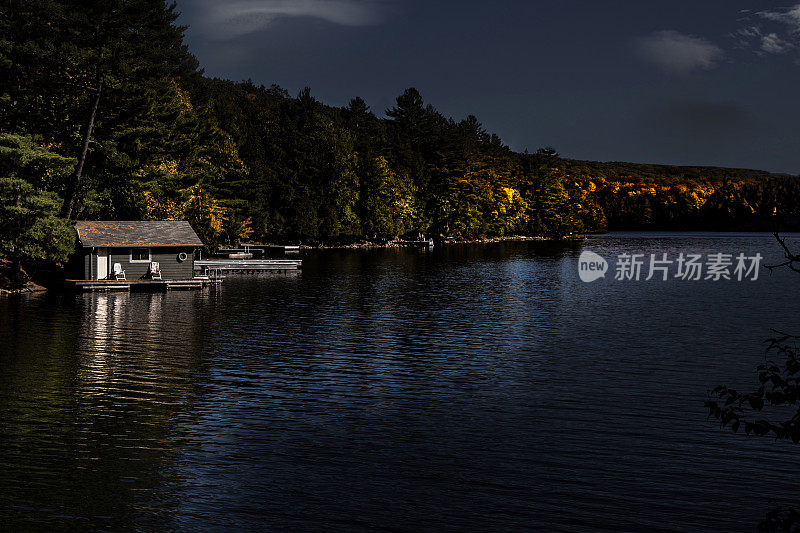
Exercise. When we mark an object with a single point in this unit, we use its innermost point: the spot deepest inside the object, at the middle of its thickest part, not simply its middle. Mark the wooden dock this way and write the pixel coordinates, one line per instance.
(217, 267)
(261, 249)
(148, 285)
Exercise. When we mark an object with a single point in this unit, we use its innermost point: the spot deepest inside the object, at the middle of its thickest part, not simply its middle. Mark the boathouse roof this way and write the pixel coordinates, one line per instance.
(136, 233)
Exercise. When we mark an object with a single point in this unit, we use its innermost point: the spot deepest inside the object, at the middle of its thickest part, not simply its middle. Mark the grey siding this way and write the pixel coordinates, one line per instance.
(171, 268)
(79, 263)
(85, 263)
(76, 264)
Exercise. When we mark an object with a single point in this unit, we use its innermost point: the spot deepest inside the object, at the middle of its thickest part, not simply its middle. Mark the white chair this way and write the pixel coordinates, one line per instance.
(155, 270)
(119, 273)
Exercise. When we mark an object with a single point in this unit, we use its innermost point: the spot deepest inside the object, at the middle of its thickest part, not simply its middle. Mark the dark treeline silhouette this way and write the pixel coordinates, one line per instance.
(106, 115)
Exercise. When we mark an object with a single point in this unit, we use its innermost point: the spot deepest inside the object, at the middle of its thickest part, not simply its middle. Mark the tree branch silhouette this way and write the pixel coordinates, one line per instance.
(773, 408)
(791, 258)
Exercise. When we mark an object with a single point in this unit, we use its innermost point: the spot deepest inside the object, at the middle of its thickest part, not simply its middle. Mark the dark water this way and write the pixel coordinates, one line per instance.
(472, 387)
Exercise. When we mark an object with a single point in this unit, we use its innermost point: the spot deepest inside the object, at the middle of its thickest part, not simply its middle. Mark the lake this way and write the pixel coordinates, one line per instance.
(479, 387)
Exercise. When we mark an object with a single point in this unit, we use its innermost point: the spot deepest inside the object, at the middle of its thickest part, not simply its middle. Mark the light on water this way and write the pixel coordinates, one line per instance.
(481, 387)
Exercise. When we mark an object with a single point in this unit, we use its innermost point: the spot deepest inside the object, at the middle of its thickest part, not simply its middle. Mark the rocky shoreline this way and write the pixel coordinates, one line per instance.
(29, 288)
(7, 286)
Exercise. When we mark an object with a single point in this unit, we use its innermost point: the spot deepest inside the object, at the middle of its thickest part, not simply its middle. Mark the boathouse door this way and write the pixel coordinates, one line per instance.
(102, 263)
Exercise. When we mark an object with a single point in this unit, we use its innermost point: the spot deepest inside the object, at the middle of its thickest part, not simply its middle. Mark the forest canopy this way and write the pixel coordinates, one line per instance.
(106, 115)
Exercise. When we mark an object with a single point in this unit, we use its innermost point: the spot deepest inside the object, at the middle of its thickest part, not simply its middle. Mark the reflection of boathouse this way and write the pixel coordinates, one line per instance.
(149, 255)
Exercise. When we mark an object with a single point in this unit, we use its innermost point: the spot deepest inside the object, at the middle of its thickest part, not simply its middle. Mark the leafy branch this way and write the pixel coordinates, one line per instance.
(777, 394)
(779, 386)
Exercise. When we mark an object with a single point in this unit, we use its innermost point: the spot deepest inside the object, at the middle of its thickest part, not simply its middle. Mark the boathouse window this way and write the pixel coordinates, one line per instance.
(140, 255)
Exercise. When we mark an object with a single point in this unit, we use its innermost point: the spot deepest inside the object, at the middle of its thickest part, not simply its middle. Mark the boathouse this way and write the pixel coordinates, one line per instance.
(154, 250)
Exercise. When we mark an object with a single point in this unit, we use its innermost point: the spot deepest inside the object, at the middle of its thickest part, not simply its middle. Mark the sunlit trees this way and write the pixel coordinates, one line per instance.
(418, 144)
(552, 211)
(388, 202)
(481, 201)
(171, 145)
(204, 212)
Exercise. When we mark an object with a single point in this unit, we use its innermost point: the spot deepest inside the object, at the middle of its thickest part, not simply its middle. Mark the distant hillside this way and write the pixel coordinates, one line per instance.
(646, 196)
(664, 173)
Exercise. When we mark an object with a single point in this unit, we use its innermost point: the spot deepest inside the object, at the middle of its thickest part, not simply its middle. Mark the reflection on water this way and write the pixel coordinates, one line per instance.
(91, 389)
(478, 387)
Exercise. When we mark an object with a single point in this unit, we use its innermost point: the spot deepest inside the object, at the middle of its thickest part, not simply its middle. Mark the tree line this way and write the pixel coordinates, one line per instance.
(104, 114)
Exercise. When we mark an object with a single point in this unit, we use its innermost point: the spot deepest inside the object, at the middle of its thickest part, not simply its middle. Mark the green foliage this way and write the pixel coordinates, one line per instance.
(30, 229)
(554, 210)
(388, 202)
(76, 68)
(23, 157)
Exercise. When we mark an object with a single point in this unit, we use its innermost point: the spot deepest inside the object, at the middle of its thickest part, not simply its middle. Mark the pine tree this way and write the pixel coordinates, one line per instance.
(30, 229)
(71, 59)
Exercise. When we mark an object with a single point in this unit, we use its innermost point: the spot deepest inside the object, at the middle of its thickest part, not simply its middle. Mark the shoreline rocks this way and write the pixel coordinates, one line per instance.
(404, 244)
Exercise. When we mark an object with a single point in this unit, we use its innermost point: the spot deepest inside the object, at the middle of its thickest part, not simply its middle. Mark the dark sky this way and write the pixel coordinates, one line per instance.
(679, 82)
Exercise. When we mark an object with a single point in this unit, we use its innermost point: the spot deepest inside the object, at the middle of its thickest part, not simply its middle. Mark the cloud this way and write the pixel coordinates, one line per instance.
(223, 20)
(772, 44)
(790, 16)
(771, 32)
(676, 52)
